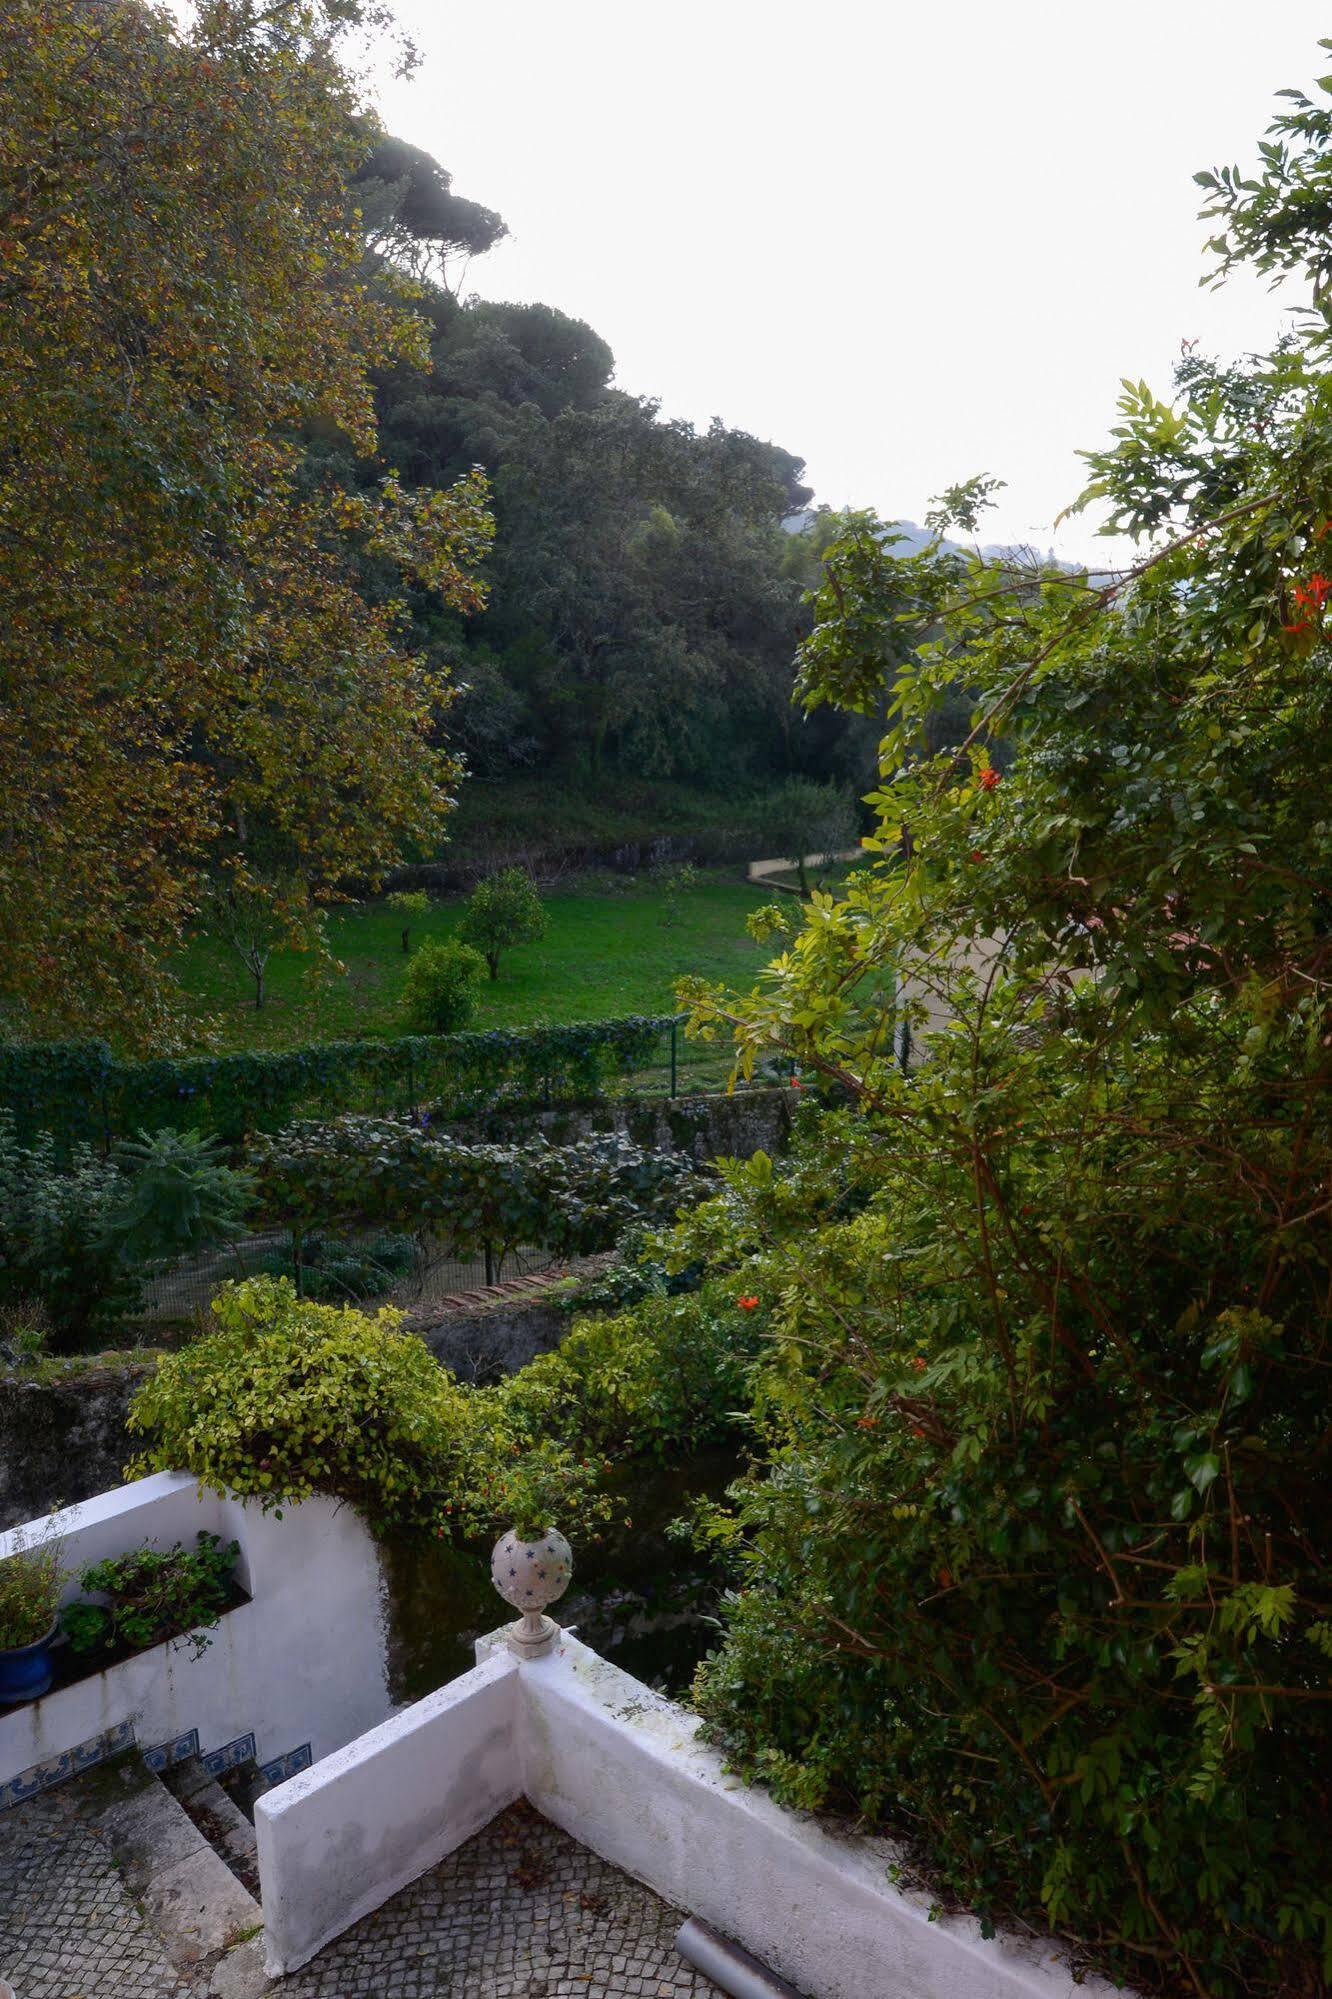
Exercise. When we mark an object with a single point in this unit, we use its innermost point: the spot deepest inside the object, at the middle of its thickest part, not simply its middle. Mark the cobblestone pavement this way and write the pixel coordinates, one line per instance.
(68, 1930)
(520, 1912)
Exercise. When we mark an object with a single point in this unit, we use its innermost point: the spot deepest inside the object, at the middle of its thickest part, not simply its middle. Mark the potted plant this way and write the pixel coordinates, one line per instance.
(31, 1579)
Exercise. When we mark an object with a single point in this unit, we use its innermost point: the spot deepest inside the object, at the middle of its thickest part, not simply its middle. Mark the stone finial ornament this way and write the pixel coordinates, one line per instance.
(529, 1575)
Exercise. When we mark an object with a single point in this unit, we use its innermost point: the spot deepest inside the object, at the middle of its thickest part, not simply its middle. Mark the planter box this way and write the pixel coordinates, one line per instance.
(293, 1671)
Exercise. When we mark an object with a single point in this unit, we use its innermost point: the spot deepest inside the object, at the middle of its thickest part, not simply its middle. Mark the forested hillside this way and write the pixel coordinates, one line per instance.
(645, 604)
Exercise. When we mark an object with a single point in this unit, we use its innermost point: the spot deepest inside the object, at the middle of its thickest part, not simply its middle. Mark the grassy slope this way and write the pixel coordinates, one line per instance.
(605, 953)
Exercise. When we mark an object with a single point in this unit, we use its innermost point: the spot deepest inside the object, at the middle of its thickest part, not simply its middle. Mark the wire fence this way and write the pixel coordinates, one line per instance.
(79, 1093)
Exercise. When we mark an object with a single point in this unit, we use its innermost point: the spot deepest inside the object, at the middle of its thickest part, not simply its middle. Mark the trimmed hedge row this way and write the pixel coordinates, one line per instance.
(79, 1091)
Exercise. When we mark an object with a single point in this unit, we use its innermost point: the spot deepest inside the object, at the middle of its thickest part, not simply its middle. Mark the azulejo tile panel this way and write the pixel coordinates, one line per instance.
(290, 1765)
(218, 1761)
(181, 1747)
(55, 1769)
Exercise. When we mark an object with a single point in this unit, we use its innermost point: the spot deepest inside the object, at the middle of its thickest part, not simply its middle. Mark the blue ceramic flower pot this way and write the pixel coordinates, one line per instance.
(25, 1672)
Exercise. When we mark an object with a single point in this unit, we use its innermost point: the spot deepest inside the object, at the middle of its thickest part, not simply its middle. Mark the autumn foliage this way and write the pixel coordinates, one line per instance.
(193, 678)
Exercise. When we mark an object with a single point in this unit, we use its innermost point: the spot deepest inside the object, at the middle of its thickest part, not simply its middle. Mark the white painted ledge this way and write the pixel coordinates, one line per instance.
(621, 1769)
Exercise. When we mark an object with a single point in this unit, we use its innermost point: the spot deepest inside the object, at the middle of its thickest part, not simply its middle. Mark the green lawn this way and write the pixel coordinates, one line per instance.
(606, 952)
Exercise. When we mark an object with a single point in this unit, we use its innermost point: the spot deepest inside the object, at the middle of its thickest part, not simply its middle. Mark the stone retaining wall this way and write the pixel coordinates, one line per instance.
(63, 1438)
(481, 1346)
(706, 1127)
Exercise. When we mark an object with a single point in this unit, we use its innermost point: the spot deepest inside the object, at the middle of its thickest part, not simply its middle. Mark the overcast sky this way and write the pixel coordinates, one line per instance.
(909, 243)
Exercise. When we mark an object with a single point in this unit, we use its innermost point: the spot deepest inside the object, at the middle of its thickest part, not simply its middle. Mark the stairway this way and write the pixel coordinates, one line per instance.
(188, 1862)
(219, 1818)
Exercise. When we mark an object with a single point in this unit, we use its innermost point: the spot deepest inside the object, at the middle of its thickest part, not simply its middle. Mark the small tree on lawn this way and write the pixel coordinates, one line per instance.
(503, 911)
(255, 914)
(410, 903)
(804, 817)
(439, 986)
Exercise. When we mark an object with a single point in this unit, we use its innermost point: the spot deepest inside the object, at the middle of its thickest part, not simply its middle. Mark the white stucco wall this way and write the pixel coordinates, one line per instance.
(621, 1769)
(306, 1661)
(338, 1840)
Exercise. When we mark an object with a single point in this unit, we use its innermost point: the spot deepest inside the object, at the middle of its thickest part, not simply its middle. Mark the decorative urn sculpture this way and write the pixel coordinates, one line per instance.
(529, 1571)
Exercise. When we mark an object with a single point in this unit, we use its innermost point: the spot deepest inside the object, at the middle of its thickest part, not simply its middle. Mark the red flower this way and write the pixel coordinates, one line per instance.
(976, 854)
(867, 1422)
(920, 1363)
(946, 1578)
(989, 779)
(1313, 594)
(796, 1083)
(1302, 626)
(747, 1302)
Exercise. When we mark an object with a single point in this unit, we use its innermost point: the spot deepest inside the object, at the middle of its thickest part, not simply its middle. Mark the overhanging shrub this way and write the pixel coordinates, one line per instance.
(286, 1398)
(1040, 1568)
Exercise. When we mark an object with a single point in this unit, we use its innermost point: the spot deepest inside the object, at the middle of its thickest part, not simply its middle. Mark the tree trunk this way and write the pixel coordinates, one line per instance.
(258, 971)
(492, 959)
(405, 945)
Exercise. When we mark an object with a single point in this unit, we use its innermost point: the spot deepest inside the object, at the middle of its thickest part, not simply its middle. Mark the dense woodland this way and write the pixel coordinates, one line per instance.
(645, 602)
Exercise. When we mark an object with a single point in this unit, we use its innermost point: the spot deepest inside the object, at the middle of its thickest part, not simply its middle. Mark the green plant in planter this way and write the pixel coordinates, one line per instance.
(30, 1583)
(154, 1595)
(541, 1487)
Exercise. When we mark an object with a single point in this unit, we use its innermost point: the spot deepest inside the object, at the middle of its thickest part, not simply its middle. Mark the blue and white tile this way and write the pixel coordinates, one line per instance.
(55, 1769)
(179, 1749)
(229, 1756)
(290, 1765)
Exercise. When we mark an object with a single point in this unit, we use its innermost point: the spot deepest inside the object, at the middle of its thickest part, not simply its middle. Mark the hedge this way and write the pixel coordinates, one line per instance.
(79, 1091)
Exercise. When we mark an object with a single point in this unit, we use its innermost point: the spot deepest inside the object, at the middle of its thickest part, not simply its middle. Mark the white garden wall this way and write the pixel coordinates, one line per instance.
(338, 1841)
(301, 1669)
(620, 1769)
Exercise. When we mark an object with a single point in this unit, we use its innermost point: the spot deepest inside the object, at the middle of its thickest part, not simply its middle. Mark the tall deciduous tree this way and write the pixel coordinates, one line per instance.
(187, 661)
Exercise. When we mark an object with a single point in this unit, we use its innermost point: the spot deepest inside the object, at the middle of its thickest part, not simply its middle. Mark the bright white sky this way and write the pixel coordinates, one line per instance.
(909, 243)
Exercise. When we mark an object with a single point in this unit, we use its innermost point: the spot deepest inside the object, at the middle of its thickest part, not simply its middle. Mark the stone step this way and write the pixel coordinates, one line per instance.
(219, 1818)
(210, 1925)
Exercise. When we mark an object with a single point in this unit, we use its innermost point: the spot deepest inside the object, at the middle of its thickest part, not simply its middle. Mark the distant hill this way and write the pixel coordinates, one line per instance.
(914, 538)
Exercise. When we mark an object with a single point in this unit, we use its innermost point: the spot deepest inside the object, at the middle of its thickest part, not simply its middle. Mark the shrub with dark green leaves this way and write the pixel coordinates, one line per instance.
(439, 986)
(61, 1245)
(178, 1196)
(79, 1092)
(671, 1375)
(403, 1174)
(78, 1238)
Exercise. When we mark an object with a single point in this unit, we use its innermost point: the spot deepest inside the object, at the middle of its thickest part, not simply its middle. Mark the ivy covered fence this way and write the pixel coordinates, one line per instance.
(82, 1093)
